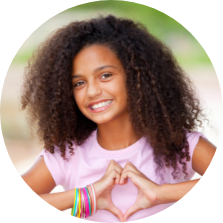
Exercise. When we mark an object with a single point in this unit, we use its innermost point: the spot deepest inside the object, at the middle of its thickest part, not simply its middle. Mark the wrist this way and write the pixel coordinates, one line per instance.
(93, 198)
(168, 193)
(97, 188)
(160, 196)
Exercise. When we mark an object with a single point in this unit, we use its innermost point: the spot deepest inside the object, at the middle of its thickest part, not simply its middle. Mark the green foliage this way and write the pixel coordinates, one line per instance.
(158, 23)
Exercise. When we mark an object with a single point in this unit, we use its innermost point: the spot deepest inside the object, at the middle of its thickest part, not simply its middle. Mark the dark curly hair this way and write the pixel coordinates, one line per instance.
(161, 100)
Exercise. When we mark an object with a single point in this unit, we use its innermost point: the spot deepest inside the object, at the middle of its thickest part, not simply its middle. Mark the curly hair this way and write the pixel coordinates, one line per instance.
(161, 100)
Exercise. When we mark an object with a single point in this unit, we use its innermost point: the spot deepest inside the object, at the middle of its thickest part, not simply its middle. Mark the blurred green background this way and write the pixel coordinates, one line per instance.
(186, 48)
(188, 52)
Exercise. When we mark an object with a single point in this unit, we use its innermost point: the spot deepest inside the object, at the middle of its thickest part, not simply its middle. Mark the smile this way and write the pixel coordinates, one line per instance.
(101, 106)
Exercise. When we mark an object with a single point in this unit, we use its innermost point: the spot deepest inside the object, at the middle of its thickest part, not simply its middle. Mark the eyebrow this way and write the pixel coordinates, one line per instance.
(97, 69)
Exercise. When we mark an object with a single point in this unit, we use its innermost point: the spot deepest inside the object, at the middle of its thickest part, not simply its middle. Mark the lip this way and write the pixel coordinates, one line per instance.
(101, 108)
(96, 102)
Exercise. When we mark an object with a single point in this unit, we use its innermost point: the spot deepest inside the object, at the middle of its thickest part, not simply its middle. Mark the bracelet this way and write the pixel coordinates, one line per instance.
(84, 202)
(85, 208)
(74, 209)
(95, 201)
(75, 206)
(89, 201)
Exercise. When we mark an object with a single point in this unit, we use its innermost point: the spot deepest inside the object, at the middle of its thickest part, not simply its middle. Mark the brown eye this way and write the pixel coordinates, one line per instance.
(106, 74)
(76, 85)
(79, 84)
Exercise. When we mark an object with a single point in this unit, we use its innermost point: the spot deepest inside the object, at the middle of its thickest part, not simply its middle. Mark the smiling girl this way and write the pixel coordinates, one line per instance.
(118, 119)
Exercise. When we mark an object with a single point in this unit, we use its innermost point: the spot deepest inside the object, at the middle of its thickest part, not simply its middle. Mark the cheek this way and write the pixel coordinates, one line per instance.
(77, 98)
(124, 97)
(122, 91)
(118, 87)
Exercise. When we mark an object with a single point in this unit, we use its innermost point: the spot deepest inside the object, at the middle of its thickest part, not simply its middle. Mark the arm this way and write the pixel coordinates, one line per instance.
(40, 180)
(201, 159)
(63, 200)
(173, 192)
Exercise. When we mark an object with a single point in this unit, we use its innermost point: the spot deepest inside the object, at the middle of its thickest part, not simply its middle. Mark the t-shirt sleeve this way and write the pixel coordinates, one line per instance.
(53, 163)
(169, 177)
(193, 138)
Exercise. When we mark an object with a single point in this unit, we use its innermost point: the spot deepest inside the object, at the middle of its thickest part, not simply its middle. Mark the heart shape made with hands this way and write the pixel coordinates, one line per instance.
(116, 175)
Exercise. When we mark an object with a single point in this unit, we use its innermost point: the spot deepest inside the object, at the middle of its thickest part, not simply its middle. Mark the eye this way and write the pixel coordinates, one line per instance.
(106, 74)
(76, 85)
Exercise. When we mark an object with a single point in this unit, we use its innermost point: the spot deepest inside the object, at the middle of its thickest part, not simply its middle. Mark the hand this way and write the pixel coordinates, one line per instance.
(147, 190)
(104, 186)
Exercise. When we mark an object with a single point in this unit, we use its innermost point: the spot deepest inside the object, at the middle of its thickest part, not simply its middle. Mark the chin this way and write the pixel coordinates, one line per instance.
(100, 121)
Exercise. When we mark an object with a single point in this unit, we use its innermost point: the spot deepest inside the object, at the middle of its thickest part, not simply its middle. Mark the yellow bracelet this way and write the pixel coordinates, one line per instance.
(73, 209)
(79, 212)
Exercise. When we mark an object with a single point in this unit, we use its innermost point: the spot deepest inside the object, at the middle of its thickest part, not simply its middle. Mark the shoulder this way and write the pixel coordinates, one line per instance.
(193, 138)
(39, 178)
(58, 165)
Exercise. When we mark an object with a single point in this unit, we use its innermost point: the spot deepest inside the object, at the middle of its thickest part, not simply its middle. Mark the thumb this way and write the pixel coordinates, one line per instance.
(115, 211)
(131, 211)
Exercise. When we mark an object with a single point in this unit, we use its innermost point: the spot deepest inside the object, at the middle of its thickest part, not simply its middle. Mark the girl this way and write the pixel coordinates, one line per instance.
(117, 116)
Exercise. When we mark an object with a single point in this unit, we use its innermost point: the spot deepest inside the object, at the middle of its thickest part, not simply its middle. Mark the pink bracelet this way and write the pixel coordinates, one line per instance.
(92, 200)
(86, 203)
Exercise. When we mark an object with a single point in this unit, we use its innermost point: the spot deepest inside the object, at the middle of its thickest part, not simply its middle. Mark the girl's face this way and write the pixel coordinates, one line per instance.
(99, 84)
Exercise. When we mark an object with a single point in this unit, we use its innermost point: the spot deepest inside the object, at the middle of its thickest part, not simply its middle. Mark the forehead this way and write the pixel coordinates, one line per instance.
(93, 57)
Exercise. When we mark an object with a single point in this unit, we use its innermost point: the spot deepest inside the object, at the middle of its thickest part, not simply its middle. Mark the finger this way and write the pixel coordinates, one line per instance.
(115, 211)
(129, 167)
(107, 181)
(109, 166)
(122, 180)
(129, 174)
(133, 168)
(118, 178)
(118, 165)
(113, 165)
(117, 170)
(114, 175)
(120, 168)
(113, 161)
(131, 211)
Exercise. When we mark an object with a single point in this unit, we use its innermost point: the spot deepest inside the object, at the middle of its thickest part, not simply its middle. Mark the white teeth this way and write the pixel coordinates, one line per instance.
(101, 104)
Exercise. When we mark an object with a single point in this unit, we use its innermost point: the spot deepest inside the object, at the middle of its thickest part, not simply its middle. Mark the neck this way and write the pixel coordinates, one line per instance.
(117, 134)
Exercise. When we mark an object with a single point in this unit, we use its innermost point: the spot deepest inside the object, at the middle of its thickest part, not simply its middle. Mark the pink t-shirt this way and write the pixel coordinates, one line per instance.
(89, 164)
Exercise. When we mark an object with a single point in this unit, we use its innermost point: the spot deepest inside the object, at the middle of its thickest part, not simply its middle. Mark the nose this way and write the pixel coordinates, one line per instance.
(93, 89)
